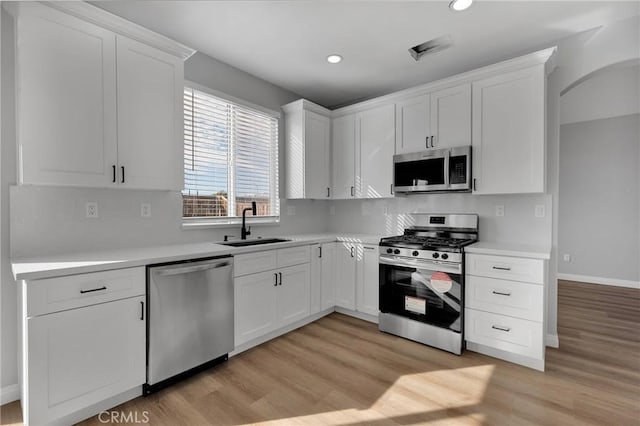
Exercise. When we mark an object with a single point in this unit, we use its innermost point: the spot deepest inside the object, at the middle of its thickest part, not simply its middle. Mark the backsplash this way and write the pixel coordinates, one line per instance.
(391, 216)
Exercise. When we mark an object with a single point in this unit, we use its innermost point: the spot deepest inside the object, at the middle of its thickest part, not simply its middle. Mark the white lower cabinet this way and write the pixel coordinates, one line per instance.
(272, 299)
(505, 307)
(345, 279)
(368, 283)
(76, 358)
(328, 276)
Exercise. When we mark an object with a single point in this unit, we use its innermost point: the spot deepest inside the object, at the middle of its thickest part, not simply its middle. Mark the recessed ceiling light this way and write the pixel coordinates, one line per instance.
(459, 5)
(334, 59)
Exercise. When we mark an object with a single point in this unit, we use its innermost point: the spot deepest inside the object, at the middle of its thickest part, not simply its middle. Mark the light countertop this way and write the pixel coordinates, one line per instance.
(510, 249)
(76, 263)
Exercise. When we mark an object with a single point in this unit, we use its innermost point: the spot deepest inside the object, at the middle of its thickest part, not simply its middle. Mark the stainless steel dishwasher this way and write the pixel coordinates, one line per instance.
(190, 318)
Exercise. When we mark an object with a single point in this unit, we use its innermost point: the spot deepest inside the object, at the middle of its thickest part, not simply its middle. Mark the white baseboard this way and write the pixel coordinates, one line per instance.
(552, 340)
(9, 394)
(599, 280)
(356, 314)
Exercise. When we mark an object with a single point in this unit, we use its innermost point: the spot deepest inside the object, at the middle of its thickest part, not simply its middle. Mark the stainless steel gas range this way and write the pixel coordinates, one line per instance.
(422, 280)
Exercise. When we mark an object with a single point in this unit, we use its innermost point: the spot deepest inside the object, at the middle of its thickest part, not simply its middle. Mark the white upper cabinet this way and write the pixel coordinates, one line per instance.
(376, 136)
(307, 135)
(150, 117)
(451, 117)
(413, 129)
(509, 132)
(343, 143)
(440, 119)
(101, 101)
(66, 100)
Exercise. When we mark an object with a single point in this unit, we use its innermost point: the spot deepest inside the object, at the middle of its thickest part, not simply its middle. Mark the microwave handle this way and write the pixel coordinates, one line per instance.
(447, 158)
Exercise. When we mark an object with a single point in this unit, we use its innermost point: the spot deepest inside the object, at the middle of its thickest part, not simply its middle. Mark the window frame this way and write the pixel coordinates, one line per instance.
(232, 221)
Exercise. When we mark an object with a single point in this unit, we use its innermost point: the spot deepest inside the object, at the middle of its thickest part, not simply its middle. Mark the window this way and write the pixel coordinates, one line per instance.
(230, 160)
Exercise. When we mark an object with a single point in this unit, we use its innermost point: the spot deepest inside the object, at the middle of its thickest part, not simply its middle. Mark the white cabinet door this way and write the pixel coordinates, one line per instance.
(255, 305)
(346, 275)
(509, 132)
(377, 141)
(82, 356)
(412, 124)
(66, 100)
(150, 117)
(316, 279)
(328, 279)
(451, 116)
(344, 156)
(368, 281)
(317, 136)
(293, 294)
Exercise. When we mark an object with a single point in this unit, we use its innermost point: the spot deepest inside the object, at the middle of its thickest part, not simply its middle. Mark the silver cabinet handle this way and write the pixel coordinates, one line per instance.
(501, 268)
(497, 327)
(188, 269)
(500, 293)
(104, 287)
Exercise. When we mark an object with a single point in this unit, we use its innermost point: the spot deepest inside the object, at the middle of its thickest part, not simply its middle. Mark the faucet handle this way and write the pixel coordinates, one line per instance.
(248, 230)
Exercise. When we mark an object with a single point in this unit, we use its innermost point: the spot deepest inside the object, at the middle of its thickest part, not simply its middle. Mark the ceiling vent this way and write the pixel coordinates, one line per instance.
(431, 46)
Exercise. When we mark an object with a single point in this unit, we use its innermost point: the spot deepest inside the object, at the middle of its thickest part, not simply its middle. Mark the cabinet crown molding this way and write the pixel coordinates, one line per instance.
(545, 56)
(107, 20)
(303, 104)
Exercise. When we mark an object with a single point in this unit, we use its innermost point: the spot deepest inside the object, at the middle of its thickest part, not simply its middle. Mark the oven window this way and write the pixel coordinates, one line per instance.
(420, 173)
(427, 296)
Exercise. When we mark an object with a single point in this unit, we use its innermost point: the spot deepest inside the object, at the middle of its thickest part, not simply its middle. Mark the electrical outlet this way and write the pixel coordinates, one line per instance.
(291, 210)
(91, 208)
(540, 210)
(567, 257)
(145, 210)
(499, 210)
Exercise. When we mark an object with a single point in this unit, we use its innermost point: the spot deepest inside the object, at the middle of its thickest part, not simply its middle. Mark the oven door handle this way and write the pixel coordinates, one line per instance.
(431, 265)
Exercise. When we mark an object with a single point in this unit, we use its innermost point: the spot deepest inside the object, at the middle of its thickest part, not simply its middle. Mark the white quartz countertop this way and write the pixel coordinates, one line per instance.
(510, 249)
(77, 263)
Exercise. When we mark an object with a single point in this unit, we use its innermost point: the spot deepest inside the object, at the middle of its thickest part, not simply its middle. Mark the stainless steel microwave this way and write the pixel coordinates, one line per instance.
(444, 170)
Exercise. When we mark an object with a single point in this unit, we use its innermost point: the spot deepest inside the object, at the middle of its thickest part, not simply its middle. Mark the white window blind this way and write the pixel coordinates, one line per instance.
(230, 159)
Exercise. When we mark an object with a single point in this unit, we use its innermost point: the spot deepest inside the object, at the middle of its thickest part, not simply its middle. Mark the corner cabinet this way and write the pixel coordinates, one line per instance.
(108, 109)
(307, 141)
(509, 132)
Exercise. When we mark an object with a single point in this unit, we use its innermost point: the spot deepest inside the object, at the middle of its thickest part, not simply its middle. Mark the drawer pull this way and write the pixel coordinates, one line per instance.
(501, 293)
(497, 327)
(93, 289)
(501, 268)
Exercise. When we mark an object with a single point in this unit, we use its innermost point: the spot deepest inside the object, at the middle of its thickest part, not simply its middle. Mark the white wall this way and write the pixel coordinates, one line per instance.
(46, 219)
(599, 198)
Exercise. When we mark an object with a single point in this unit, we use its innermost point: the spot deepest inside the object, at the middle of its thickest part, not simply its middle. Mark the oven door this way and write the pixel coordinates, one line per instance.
(427, 291)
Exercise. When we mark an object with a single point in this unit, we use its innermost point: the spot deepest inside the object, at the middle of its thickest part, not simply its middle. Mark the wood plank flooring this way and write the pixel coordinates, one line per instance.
(342, 371)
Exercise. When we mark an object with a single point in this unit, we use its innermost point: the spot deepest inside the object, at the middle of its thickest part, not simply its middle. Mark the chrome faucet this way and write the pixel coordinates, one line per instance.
(247, 231)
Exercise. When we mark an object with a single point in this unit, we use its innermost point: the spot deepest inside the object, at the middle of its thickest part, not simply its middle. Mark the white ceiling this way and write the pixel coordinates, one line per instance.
(286, 42)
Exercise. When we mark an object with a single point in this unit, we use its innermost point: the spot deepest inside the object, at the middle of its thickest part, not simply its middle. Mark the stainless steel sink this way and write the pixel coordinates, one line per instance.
(244, 243)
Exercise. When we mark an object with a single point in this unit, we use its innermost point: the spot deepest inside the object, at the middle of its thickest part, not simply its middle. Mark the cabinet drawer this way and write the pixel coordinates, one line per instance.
(504, 333)
(251, 263)
(293, 256)
(507, 268)
(74, 291)
(511, 298)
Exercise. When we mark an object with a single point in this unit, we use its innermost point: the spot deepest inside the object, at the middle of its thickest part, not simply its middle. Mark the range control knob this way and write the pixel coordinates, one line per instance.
(396, 251)
(435, 255)
(444, 256)
(389, 250)
(415, 253)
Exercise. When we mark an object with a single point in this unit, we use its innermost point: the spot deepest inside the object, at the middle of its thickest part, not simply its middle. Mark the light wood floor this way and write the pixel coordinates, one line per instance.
(342, 371)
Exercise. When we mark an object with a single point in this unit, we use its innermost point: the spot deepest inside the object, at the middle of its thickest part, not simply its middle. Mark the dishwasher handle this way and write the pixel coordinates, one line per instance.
(188, 269)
